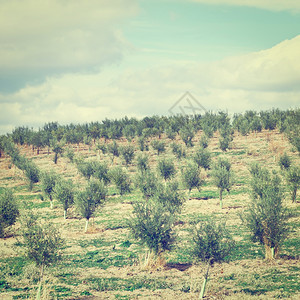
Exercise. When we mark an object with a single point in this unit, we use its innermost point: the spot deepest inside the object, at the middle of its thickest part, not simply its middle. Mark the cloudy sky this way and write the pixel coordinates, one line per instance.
(81, 61)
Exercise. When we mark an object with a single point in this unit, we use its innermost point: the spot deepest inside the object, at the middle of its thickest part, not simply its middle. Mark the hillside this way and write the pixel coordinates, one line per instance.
(106, 262)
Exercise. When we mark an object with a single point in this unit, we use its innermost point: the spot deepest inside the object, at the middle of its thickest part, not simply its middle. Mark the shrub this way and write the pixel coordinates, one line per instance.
(121, 179)
(166, 168)
(285, 162)
(211, 242)
(202, 158)
(266, 217)
(224, 143)
(170, 133)
(142, 163)
(64, 191)
(222, 176)
(102, 148)
(159, 146)
(293, 179)
(178, 150)
(127, 153)
(8, 210)
(57, 148)
(141, 142)
(191, 177)
(48, 180)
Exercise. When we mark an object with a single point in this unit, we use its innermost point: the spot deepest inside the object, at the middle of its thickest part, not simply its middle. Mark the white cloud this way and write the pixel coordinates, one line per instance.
(273, 5)
(259, 81)
(59, 35)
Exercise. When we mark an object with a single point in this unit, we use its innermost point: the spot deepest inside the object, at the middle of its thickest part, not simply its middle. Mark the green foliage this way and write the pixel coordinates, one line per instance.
(285, 161)
(202, 158)
(57, 148)
(42, 242)
(224, 143)
(32, 173)
(86, 168)
(211, 242)
(9, 210)
(187, 134)
(128, 153)
(266, 217)
(169, 196)
(100, 171)
(120, 178)
(153, 225)
(64, 192)
(159, 146)
(204, 140)
(70, 154)
(191, 177)
(178, 150)
(146, 182)
(170, 133)
(141, 142)
(142, 162)
(293, 179)
(113, 148)
(48, 180)
(222, 176)
(102, 147)
(90, 198)
(166, 168)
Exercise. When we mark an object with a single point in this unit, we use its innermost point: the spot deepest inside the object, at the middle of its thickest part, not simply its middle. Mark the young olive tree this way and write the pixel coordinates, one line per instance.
(159, 146)
(204, 140)
(202, 158)
(293, 179)
(266, 217)
(9, 210)
(191, 177)
(178, 150)
(285, 162)
(64, 192)
(32, 173)
(88, 200)
(128, 153)
(113, 148)
(146, 182)
(153, 225)
(42, 243)
(222, 176)
(57, 148)
(187, 134)
(211, 243)
(142, 162)
(48, 180)
(166, 168)
(120, 178)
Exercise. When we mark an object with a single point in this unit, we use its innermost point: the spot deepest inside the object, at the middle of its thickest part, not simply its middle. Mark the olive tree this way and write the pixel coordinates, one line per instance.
(166, 168)
(9, 210)
(64, 192)
(293, 179)
(120, 178)
(267, 217)
(42, 244)
(48, 181)
(89, 199)
(222, 176)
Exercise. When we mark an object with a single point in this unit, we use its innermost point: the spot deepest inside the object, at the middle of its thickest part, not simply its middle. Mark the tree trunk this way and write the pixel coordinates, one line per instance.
(204, 281)
(51, 203)
(221, 202)
(65, 214)
(294, 194)
(38, 294)
(86, 225)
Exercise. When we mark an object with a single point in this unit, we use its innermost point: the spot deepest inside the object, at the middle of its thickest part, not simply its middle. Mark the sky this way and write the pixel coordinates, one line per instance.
(75, 61)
